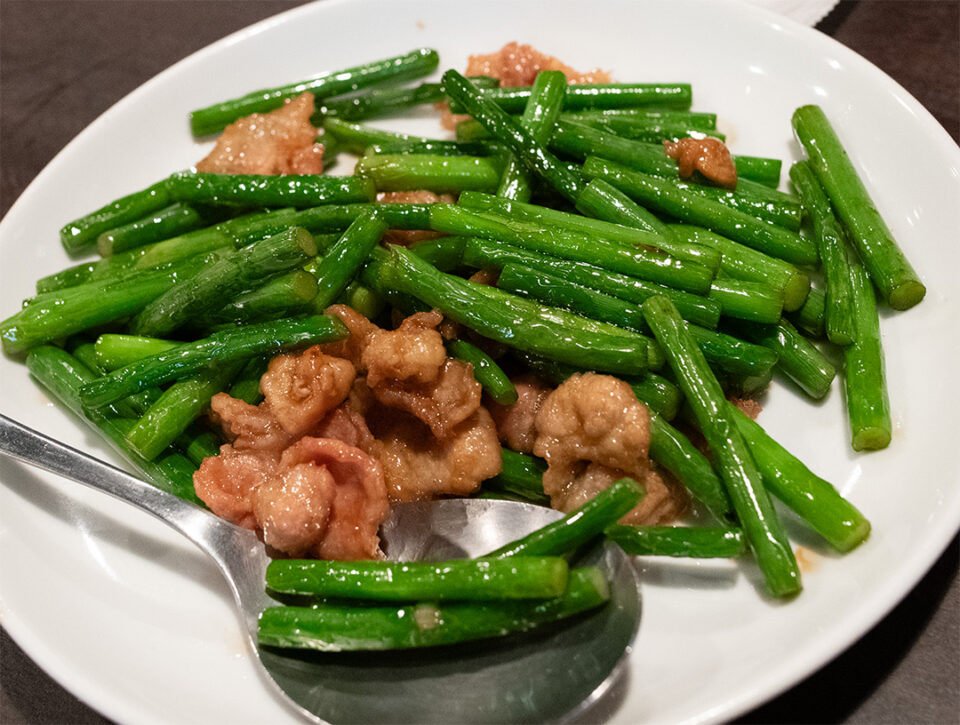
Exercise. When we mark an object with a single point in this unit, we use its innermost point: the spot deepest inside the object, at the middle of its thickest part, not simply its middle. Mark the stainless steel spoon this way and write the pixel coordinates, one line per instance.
(543, 676)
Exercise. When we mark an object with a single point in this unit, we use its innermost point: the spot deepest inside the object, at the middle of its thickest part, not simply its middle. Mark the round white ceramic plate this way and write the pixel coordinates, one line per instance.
(137, 623)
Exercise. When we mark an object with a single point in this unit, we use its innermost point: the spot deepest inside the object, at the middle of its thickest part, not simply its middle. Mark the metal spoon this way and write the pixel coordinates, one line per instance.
(542, 676)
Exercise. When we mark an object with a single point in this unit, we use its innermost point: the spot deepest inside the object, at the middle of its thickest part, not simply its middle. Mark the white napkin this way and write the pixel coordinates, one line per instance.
(808, 12)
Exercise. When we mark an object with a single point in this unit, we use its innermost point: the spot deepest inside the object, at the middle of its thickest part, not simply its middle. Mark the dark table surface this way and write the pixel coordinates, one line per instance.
(63, 63)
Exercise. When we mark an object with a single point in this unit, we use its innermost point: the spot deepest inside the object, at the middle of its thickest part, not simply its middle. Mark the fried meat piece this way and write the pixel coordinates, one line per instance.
(408, 368)
(414, 352)
(329, 500)
(518, 65)
(592, 431)
(249, 427)
(406, 237)
(225, 483)
(351, 346)
(346, 423)
(301, 388)
(594, 418)
(516, 424)
(749, 407)
(278, 142)
(418, 465)
(313, 464)
(709, 156)
(572, 485)
(442, 404)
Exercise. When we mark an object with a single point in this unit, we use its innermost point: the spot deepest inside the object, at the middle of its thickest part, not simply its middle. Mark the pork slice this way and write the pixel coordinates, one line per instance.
(518, 65)
(226, 482)
(442, 404)
(301, 388)
(350, 347)
(249, 427)
(278, 142)
(595, 418)
(418, 465)
(406, 237)
(573, 484)
(329, 499)
(516, 424)
(413, 352)
(709, 156)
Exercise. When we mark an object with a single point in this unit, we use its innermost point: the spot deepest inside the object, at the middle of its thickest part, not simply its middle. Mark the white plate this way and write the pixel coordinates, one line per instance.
(137, 624)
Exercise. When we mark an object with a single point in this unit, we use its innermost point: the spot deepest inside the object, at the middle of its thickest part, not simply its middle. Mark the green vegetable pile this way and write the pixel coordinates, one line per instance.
(607, 261)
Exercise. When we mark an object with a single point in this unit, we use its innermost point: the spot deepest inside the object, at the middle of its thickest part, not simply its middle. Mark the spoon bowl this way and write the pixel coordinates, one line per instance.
(549, 674)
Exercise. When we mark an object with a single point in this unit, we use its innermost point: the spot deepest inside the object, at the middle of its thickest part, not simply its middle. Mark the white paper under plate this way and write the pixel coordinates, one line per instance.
(808, 12)
(137, 624)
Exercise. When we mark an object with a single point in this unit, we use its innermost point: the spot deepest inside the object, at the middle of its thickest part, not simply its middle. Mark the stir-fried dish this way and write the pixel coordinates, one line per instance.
(576, 302)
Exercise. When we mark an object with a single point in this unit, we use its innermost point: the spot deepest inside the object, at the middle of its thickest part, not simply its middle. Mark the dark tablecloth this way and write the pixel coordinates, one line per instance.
(63, 63)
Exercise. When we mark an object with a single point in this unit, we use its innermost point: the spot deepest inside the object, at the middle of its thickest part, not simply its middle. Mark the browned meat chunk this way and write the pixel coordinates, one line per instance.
(592, 431)
(322, 497)
(421, 196)
(486, 277)
(442, 404)
(516, 424)
(249, 427)
(571, 486)
(350, 347)
(226, 483)
(329, 500)
(406, 237)
(301, 388)
(750, 408)
(709, 156)
(411, 425)
(279, 142)
(346, 423)
(518, 65)
(293, 508)
(594, 418)
(407, 368)
(414, 352)
(418, 465)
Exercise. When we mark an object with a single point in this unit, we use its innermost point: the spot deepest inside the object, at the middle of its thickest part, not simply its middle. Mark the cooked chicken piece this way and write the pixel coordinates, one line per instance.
(487, 277)
(595, 418)
(592, 431)
(749, 407)
(570, 486)
(346, 423)
(329, 499)
(351, 346)
(414, 352)
(518, 65)
(406, 237)
(293, 508)
(442, 404)
(709, 156)
(249, 427)
(412, 425)
(408, 368)
(418, 465)
(225, 483)
(279, 142)
(301, 388)
(516, 424)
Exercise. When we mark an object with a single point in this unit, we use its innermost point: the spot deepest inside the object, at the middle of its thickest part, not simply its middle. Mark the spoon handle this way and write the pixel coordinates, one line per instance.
(28, 446)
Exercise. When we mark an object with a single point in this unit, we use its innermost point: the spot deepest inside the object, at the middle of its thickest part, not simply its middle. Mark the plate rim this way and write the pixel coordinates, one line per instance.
(917, 565)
